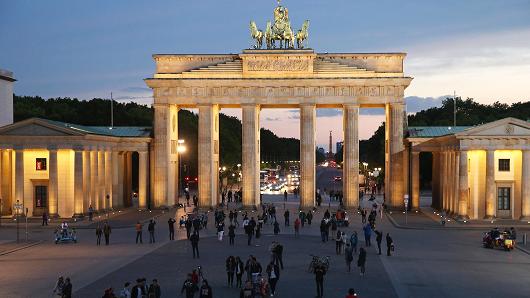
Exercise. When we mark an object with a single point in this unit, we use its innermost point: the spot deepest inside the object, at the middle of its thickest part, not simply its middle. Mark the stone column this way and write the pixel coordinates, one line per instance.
(6, 172)
(307, 155)
(251, 155)
(87, 169)
(142, 179)
(396, 157)
(463, 200)
(53, 179)
(208, 155)
(2, 178)
(94, 172)
(416, 180)
(350, 151)
(101, 180)
(456, 182)
(108, 179)
(165, 150)
(445, 162)
(525, 187)
(121, 177)
(490, 183)
(115, 178)
(78, 183)
(19, 178)
(451, 187)
(436, 180)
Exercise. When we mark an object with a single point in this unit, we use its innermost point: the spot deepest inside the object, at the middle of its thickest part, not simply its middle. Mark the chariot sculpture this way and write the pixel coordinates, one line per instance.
(280, 31)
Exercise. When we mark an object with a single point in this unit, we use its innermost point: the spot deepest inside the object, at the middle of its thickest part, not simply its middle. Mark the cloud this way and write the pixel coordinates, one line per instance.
(328, 112)
(272, 118)
(135, 89)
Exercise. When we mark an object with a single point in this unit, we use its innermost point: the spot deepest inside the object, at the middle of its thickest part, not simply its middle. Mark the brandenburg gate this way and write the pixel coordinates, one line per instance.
(275, 78)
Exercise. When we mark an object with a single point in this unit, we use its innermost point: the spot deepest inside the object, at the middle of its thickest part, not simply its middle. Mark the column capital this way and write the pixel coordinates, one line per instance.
(351, 105)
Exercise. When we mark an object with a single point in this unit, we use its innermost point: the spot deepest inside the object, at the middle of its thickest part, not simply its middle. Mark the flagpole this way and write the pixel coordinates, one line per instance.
(111, 111)
(454, 108)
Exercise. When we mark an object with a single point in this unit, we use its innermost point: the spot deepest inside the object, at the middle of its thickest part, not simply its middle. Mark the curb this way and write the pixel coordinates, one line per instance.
(21, 248)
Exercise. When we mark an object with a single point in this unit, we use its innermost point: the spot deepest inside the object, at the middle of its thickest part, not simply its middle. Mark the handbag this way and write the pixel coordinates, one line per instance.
(392, 247)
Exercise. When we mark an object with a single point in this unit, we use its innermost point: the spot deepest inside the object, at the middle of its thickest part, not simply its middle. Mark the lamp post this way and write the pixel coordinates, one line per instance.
(181, 148)
(107, 197)
(18, 209)
(1, 205)
(26, 224)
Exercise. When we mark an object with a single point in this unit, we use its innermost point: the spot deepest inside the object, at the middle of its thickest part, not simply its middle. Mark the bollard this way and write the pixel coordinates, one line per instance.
(524, 239)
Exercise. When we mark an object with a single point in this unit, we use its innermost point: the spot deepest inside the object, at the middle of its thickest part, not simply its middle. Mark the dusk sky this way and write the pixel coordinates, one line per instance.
(88, 49)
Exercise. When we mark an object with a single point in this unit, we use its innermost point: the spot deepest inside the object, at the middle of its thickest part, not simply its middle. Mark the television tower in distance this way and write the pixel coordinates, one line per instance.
(330, 151)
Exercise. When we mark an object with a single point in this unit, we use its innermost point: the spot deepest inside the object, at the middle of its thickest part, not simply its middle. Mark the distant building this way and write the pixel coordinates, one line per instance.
(338, 146)
(6, 97)
(321, 150)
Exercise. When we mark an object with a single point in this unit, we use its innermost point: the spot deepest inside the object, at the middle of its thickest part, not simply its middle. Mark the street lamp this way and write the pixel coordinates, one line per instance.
(18, 210)
(181, 148)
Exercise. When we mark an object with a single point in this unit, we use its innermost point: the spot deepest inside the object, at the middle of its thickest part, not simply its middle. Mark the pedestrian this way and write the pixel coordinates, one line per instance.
(189, 287)
(249, 230)
(351, 293)
(220, 231)
(171, 225)
(240, 269)
(138, 227)
(90, 213)
(276, 228)
(106, 231)
(99, 232)
(338, 242)
(247, 291)
(361, 261)
(125, 292)
(378, 239)
(389, 244)
(188, 224)
(109, 293)
(138, 291)
(353, 242)
(194, 239)
(231, 234)
(67, 288)
(188, 198)
(363, 216)
(309, 217)
(151, 229)
(348, 255)
(286, 217)
(230, 270)
(297, 228)
(154, 290)
(285, 195)
(273, 272)
(59, 286)
(320, 271)
(205, 291)
(367, 234)
(44, 219)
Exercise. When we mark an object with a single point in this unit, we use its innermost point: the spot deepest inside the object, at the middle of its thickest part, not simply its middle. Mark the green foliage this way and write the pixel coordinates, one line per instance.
(96, 112)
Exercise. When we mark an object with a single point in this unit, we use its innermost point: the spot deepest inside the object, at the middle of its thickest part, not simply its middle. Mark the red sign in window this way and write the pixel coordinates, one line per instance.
(40, 164)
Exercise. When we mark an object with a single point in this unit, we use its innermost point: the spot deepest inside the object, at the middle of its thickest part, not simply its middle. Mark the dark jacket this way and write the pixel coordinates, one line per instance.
(154, 291)
(362, 258)
(276, 269)
(194, 239)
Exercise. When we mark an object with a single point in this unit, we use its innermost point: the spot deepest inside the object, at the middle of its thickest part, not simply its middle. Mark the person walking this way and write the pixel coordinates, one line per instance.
(99, 232)
(44, 219)
(220, 231)
(353, 241)
(240, 269)
(361, 261)
(189, 287)
(59, 286)
(138, 227)
(106, 231)
(338, 242)
(320, 271)
(378, 239)
(125, 292)
(67, 288)
(351, 293)
(171, 225)
(230, 270)
(297, 228)
(286, 217)
(205, 291)
(151, 229)
(231, 234)
(389, 244)
(249, 230)
(194, 239)
(273, 272)
(367, 234)
(138, 291)
(90, 213)
(348, 256)
(285, 195)
(154, 290)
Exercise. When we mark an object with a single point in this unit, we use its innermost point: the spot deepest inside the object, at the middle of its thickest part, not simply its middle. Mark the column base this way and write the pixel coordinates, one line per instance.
(525, 218)
(78, 215)
(462, 218)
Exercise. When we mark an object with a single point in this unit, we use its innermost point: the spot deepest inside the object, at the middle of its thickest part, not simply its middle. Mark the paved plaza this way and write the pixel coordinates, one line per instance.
(428, 262)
